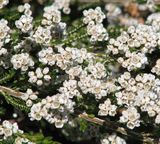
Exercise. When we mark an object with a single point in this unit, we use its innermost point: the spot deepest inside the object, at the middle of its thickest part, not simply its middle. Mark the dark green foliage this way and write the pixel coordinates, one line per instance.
(17, 103)
(39, 138)
(7, 76)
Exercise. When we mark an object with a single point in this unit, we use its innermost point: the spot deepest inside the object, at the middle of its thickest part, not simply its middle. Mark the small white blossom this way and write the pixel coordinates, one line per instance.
(22, 61)
(131, 116)
(112, 139)
(3, 3)
(40, 76)
(42, 35)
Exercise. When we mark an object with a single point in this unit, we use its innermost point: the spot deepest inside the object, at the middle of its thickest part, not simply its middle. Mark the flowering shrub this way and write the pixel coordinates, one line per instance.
(77, 72)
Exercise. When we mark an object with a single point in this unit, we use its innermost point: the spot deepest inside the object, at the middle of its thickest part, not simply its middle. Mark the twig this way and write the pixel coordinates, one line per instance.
(112, 126)
(11, 92)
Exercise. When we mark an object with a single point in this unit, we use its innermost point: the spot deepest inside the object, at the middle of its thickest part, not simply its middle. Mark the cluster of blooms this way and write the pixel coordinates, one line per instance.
(141, 91)
(20, 140)
(142, 38)
(154, 21)
(71, 56)
(112, 139)
(40, 76)
(51, 15)
(63, 4)
(70, 89)
(131, 116)
(47, 56)
(3, 3)
(3, 51)
(156, 68)
(7, 129)
(4, 39)
(133, 60)
(22, 61)
(54, 109)
(42, 35)
(107, 108)
(4, 32)
(29, 97)
(97, 70)
(25, 21)
(89, 77)
(113, 12)
(93, 19)
(128, 21)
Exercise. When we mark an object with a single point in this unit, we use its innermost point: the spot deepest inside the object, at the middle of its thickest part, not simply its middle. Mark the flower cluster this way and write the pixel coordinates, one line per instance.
(4, 32)
(4, 39)
(154, 20)
(113, 12)
(107, 108)
(142, 37)
(29, 97)
(63, 4)
(97, 70)
(54, 109)
(8, 129)
(141, 91)
(42, 35)
(22, 61)
(25, 21)
(156, 68)
(40, 76)
(131, 116)
(20, 140)
(118, 78)
(93, 19)
(133, 46)
(3, 3)
(133, 60)
(51, 15)
(112, 139)
(47, 56)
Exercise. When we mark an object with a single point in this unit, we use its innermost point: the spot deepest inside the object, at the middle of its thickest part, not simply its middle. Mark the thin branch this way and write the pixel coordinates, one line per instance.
(11, 92)
(113, 126)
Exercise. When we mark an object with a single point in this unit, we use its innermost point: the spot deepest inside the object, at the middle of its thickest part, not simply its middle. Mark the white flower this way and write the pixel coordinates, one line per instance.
(93, 19)
(62, 4)
(4, 32)
(93, 15)
(51, 15)
(22, 61)
(47, 56)
(42, 35)
(107, 108)
(112, 139)
(131, 116)
(40, 76)
(3, 3)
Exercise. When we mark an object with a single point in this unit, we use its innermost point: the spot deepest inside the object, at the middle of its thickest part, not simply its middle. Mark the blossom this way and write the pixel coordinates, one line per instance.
(40, 76)
(112, 139)
(42, 35)
(3, 3)
(131, 116)
(22, 61)
(107, 108)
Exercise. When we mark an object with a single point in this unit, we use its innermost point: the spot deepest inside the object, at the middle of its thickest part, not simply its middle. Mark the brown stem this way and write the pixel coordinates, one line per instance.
(112, 126)
(11, 92)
